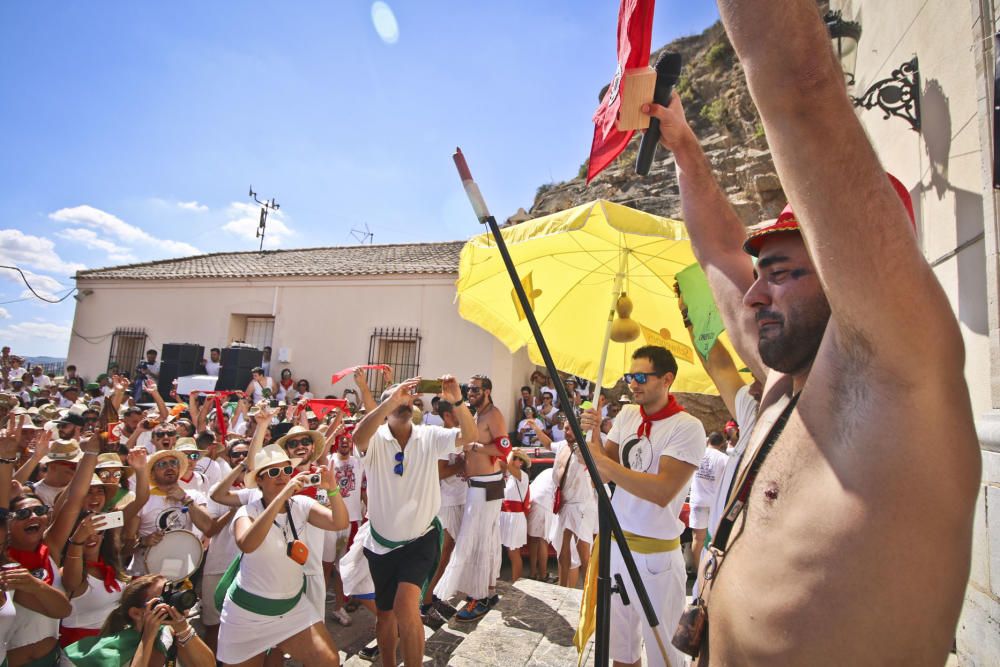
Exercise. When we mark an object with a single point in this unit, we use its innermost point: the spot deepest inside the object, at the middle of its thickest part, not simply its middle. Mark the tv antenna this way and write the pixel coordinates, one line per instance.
(363, 236)
(265, 208)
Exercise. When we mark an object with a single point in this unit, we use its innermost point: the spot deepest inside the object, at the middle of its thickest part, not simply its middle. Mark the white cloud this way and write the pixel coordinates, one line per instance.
(4, 314)
(24, 250)
(245, 218)
(385, 22)
(88, 216)
(192, 206)
(89, 239)
(25, 332)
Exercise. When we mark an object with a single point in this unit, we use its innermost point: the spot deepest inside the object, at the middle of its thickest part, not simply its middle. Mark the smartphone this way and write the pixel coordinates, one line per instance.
(428, 387)
(112, 520)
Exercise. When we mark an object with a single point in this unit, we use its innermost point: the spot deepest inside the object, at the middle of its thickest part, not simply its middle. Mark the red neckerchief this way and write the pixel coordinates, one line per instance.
(107, 573)
(669, 410)
(35, 560)
(287, 383)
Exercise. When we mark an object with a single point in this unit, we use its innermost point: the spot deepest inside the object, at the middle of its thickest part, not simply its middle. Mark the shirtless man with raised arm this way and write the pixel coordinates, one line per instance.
(475, 561)
(854, 545)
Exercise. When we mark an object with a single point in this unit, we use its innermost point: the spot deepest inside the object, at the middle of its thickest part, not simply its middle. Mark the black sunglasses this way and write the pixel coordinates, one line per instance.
(641, 378)
(274, 472)
(238, 455)
(26, 512)
(298, 442)
(474, 390)
(163, 434)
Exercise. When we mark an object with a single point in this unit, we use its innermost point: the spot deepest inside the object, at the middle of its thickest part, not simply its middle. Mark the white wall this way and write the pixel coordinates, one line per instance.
(327, 323)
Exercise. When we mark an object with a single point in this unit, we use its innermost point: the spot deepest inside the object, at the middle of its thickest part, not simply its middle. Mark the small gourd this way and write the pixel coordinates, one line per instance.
(623, 329)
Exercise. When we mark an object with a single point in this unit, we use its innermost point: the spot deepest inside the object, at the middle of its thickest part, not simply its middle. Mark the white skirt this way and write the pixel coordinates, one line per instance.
(475, 562)
(244, 634)
(354, 572)
(513, 530)
(539, 521)
(451, 519)
(578, 518)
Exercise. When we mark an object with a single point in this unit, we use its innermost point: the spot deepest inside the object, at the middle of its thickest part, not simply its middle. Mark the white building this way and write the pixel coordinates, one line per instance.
(947, 162)
(321, 309)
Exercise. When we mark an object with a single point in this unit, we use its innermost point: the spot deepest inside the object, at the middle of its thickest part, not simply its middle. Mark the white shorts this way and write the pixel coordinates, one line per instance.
(698, 519)
(209, 614)
(451, 519)
(664, 576)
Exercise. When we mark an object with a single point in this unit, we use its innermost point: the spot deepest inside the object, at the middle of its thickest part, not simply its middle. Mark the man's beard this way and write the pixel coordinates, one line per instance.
(403, 412)
(793, 348)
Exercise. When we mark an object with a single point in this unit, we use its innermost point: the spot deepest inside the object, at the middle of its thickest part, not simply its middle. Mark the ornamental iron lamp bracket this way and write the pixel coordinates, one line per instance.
(898, 95)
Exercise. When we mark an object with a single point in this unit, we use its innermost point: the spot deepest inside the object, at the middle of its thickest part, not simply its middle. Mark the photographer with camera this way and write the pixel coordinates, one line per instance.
(132, 633)
(269, 580)
(404, 541)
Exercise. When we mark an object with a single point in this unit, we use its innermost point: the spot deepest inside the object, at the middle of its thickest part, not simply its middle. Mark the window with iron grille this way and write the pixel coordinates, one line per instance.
(128, 348)
(399, 348)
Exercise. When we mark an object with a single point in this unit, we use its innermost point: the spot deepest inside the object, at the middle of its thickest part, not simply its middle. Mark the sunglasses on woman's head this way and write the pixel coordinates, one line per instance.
(274, 472)
(26, 512)
(398, 468)
(640, 378)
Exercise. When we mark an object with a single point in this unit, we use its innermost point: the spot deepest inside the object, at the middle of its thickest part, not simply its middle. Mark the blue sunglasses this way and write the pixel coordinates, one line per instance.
(640, 378)
(398, 468)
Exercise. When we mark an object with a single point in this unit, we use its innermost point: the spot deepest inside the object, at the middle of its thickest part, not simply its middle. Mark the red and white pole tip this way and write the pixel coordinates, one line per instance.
(471, 189)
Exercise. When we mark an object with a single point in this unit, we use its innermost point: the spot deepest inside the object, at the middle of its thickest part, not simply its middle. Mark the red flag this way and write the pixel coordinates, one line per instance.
(340, 375)
(635, 32)
(321, 406)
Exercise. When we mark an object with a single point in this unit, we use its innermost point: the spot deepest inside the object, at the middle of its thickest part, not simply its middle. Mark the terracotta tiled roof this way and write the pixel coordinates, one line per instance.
(357, 260)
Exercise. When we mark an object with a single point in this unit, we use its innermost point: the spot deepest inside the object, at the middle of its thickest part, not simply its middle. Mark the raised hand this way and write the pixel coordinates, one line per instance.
(136, 458)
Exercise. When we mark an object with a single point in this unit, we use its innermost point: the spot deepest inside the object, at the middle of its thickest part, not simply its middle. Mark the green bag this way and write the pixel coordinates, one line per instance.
(227, 580)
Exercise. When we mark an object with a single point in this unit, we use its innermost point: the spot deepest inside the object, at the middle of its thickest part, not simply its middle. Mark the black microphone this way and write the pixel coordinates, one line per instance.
(668, 69)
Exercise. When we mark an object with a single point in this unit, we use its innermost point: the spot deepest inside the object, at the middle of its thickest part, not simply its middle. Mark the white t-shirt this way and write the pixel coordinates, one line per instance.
(401, 507)
(746, 417)
(268, 571)
(212, 367)
(431, 419)
(543, 489)
(163, 513)
(214, 470)
(47, 493)
(258, 389)
(41, 381)
(312, 535)
(349, 473)
(681, 437)
(708, 477)
(577, 488)
(196, 483)
(531, 435)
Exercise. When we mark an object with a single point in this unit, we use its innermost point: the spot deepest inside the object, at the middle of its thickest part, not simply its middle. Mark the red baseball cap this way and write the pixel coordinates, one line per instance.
(787, 222)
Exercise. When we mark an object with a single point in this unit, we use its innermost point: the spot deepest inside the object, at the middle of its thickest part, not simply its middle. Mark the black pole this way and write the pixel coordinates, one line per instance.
(605, 511)
(607, 521)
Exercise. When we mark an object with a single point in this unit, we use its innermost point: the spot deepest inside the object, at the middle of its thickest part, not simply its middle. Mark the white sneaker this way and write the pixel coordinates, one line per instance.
(341, 617)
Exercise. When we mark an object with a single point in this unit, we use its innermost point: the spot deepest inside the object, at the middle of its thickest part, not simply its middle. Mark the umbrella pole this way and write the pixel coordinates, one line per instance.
(604, 588)
(602, 634)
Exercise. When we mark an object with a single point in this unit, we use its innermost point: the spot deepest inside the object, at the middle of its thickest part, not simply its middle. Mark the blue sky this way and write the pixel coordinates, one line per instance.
(134, 130)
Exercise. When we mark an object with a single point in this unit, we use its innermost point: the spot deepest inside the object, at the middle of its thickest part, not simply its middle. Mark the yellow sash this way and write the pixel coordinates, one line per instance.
(588, 606)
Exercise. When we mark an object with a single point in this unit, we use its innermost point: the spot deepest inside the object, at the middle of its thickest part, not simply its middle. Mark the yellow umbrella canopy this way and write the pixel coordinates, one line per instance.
(568, 263)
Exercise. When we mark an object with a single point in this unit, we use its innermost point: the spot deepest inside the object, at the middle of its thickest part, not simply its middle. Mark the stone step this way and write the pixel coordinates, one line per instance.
(533, 624)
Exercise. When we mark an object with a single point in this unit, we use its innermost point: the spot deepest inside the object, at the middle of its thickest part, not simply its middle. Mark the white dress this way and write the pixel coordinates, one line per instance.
(514, 525)
(267, 572)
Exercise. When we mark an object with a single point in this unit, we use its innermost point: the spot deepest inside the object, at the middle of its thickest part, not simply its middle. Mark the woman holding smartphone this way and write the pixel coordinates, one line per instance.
(92, 576)
(265, 603)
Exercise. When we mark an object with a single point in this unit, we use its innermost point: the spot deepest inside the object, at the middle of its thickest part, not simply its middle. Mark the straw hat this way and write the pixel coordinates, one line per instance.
(518, 454)
(8, 400)
(181, 458)
(49, 412)
(268, 456)
(112, 460)
(295, 432)
(188, 445)
(67, 451)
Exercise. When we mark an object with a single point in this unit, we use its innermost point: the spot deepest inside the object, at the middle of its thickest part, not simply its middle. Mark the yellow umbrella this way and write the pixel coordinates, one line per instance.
(573, 265)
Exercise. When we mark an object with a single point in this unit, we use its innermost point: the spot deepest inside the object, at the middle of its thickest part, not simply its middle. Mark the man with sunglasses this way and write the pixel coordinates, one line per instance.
(651, 453)
(475, 563)
(404, 494)
(169, 507)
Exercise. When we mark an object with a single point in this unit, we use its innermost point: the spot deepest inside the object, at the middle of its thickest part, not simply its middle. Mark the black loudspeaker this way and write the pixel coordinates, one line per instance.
(186, 354)
(237, 362)
(177, 360)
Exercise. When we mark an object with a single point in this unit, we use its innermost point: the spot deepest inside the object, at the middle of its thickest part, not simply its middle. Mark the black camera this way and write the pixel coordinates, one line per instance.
(181, 599)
